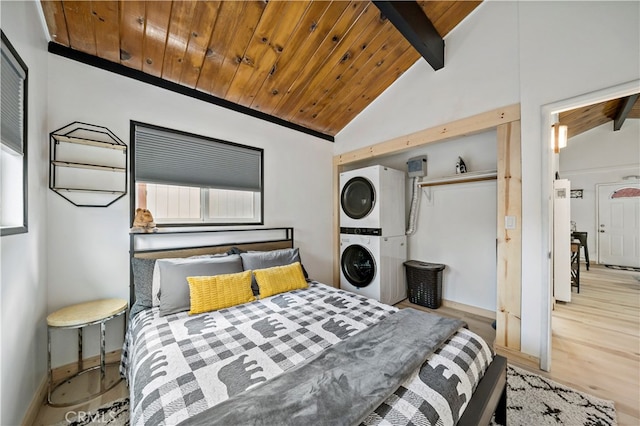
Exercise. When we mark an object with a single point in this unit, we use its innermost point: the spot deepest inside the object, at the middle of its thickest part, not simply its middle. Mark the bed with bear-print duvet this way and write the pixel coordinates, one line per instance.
(300, 353)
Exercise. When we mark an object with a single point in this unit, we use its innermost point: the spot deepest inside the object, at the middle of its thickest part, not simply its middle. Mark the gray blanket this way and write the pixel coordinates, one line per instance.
(345, 382)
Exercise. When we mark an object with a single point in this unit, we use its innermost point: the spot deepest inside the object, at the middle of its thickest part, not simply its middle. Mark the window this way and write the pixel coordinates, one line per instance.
(626, 193)
(13, 138)
(186, 179)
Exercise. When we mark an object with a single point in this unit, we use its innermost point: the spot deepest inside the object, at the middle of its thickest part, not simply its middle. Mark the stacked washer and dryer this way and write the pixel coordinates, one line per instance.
(373, 244)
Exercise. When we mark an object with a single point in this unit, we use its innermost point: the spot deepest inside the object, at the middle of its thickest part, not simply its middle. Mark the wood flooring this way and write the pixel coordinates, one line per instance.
(596, 339)
(596, 344)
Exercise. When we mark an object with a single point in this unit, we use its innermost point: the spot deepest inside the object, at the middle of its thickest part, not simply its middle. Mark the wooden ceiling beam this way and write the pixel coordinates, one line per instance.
(415, 26)
(623, 111)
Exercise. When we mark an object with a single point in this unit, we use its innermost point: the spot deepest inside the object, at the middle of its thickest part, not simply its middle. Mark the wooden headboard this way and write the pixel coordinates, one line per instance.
(172, 244)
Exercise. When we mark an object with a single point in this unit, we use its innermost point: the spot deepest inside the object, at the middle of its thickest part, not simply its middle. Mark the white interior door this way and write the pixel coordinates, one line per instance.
(619, 224)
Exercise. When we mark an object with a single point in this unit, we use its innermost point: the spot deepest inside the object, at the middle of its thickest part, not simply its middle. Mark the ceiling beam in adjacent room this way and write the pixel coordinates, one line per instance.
(624, 109)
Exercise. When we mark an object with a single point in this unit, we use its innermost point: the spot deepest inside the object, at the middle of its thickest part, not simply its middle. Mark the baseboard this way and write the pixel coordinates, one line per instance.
(518, 358)
(468, 308)
(59, 373)
(36, 403)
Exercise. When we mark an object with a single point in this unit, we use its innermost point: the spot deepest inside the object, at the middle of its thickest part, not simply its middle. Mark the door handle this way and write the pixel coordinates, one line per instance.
(602, 231)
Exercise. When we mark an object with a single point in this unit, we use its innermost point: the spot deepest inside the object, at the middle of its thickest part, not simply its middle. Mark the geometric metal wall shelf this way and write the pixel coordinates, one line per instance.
(88, 165)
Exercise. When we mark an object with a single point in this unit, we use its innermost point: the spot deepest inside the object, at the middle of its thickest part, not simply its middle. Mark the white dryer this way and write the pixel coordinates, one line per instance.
(372, 266)
(373, 198)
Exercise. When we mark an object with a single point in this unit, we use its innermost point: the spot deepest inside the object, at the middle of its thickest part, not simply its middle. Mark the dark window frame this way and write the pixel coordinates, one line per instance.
(24, 228)
(132, 183)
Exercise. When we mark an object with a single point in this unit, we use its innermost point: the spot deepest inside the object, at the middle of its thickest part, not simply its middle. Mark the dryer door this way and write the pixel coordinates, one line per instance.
(357, 198)
(358, 265)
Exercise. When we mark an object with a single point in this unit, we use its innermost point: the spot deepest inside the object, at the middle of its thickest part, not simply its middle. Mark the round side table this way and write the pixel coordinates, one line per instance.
(80, 316)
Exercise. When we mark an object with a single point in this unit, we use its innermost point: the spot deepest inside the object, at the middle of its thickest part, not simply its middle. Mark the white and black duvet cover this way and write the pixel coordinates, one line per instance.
(178, 366)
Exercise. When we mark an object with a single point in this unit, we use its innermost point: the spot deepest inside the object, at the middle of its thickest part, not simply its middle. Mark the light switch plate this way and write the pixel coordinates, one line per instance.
(509, 222)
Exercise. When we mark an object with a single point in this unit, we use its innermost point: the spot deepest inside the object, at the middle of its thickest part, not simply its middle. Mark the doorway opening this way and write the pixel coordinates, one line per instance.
(595, 337)
(550, 162)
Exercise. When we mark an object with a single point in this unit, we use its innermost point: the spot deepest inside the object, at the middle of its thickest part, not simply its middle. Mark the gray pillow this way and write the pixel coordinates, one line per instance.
(268, 259)
(174, 287)
(142, 284)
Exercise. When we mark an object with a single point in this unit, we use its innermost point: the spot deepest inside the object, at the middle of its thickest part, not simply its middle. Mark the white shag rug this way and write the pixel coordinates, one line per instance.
(114, 413)
(536, 400)
(531, 400)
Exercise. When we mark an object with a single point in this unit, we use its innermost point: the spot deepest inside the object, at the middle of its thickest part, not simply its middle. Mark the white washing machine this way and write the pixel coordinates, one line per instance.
(373, 198)
(372, 266)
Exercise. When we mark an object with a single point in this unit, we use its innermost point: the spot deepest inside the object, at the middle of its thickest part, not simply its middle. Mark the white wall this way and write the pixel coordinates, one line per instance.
(88, 247)
(599, 155)
(534, 53)
(456, 223)
(23, 300)
(480, 74)
(566, 49)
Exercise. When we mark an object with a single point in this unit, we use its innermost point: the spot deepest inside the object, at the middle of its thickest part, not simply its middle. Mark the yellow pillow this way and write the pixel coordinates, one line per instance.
(219, 291)
(280, 279)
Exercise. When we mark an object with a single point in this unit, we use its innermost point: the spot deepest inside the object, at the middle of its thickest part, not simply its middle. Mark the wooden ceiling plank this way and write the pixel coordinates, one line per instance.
(289, 24)
(416, 27)
(229, 16)
(635, 110)
(106, 17)
(584, 126)
(623, 111)
(315, 27)
(611, 108)
(202, 29)
(362, 94)
(381, 40)
(343, 98)
(453, 15)
(132, 27)
(389, 72)
(56, 23)
(434, 10)
(377, 50)
(80, 26)
(245, 29)
(592, 110)
(273, 14)
(182, 17)
(320, 80)
(573, 122)
(362, 73)
(155, 36)
(571, 118)
(329, 45)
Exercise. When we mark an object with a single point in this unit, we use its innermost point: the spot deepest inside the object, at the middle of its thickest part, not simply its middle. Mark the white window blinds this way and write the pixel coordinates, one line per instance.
(12, 78)
(175, 158)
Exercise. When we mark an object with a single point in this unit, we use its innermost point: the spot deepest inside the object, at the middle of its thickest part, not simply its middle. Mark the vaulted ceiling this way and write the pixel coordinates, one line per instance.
(585, 118)
(313, 63)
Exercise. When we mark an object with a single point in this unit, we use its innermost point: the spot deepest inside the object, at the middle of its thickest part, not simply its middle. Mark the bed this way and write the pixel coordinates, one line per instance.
(309, 355)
